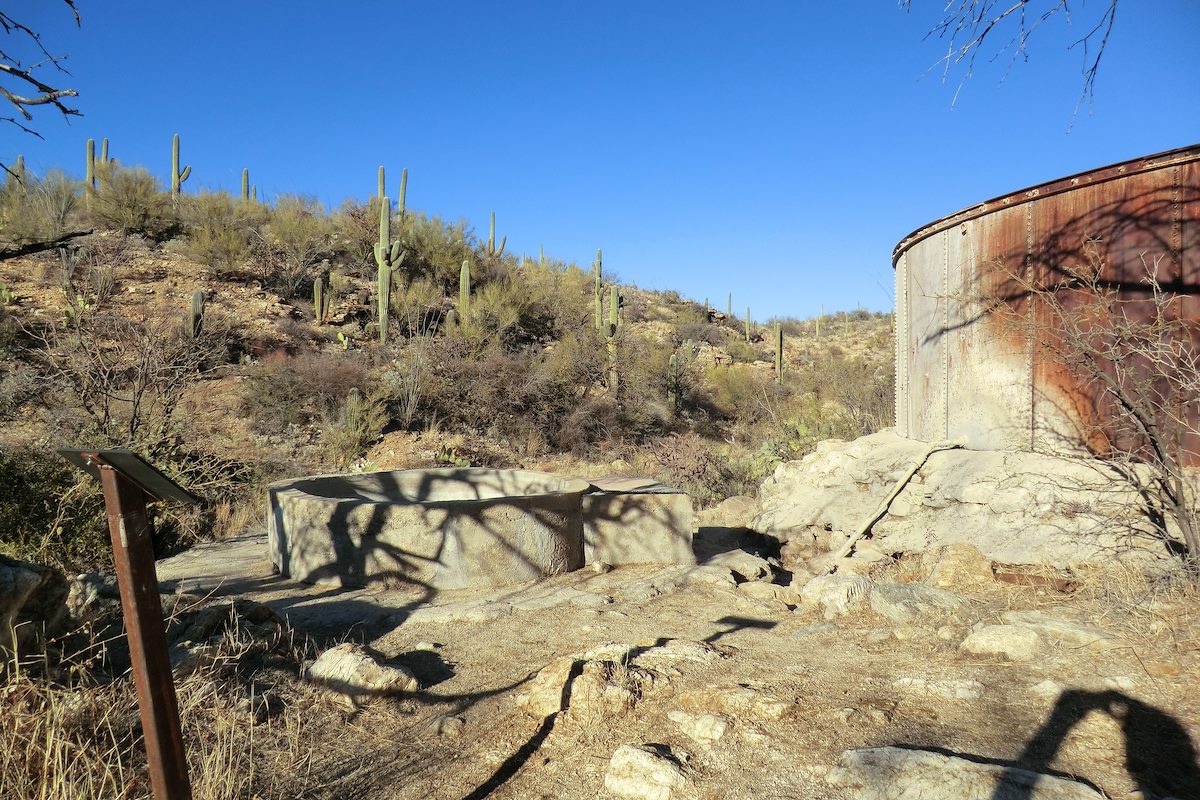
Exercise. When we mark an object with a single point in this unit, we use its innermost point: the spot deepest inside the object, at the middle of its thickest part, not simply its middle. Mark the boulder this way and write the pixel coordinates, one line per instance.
(1014, 507)
(907, 603)
(746, 566)
(732, 512)
(1063, 630)
(644, 772)
(835, 595)
(1011, 641)
(590, 690)
(356, 672)
(958, 566)
(893, 773)
(704, 728)
(32, 604)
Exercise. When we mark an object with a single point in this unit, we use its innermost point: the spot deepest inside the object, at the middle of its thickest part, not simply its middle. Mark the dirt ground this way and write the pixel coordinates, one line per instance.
(785, 690)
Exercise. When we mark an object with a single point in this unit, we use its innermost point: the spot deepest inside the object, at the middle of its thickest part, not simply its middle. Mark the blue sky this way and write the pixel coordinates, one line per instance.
(776, 150)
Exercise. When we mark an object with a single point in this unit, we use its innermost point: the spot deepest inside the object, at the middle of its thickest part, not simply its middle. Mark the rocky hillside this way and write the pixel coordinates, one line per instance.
(234, 342)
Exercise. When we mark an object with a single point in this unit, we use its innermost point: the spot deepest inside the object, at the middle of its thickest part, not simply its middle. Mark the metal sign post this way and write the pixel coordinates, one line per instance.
(129, 482)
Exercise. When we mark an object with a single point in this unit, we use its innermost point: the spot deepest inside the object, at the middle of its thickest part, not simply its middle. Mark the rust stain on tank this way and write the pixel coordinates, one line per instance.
(1000, 356)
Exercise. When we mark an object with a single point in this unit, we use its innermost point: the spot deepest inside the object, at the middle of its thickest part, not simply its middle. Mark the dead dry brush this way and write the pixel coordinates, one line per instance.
(1135, 353)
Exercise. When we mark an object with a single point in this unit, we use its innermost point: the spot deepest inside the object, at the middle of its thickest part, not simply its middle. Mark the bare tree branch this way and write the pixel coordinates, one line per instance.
(1004, 27)
(1138, 356)
(37, 247)
(20, 77)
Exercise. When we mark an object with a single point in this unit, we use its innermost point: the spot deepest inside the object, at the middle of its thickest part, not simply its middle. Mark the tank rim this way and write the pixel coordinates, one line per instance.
(1091, 177)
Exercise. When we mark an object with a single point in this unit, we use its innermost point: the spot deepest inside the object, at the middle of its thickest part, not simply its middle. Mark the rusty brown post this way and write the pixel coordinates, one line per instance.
(133, 555)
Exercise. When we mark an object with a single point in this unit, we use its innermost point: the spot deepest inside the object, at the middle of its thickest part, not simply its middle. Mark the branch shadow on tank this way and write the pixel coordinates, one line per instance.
(458, 528)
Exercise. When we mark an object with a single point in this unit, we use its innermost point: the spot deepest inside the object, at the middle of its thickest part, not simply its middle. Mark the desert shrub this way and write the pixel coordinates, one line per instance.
(359, 424)
(504, 311)
(519, 396)
(741, 392)
(436, 249)
(130, 201)
(19, 383)
(689, 462)
(593, 420)
(743, 352)
(642, 384)
(294, 391)
(418, 305)
(296, 237)
(120, 382)
(864, 392)
(50, 513)
(38, 209)
(219, 230)
(692, 323)
(355, 232)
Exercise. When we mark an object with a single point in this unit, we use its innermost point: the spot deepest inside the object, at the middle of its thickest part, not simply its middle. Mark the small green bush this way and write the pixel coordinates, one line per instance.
(295, 391)
(130, 201)
(360, 422)
(50, 513)
(38, 210)
(219, 231)
(298, 234)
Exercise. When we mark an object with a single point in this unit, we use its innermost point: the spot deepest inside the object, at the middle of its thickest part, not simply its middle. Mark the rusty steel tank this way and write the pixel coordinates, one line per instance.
(977, 355)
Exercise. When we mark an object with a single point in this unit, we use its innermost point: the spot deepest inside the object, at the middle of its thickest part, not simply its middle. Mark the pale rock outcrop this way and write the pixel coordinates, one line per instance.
(1013, 642)
(1015, 507)
(1063, 630)
(354, 671)
(642, 772)
(906, 603)
(836, 595)
(32, 604)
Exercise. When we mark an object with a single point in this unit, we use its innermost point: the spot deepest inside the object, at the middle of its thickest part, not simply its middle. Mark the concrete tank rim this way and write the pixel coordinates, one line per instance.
(1091, 177)
(569, 486)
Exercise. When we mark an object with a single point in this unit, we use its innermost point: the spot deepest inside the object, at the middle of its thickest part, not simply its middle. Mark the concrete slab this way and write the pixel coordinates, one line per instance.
(629, 520)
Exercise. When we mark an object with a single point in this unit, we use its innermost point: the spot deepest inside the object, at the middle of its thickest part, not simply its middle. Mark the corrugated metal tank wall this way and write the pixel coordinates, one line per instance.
(965, 370)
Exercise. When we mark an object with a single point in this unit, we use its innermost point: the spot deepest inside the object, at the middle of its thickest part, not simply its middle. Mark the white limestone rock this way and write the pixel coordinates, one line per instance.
(1014, 642)
(354, 671)
(836, 595)
(641, 772)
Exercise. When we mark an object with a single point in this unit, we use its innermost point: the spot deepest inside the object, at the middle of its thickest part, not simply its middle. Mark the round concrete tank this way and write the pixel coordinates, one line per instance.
(963, 371)
(428, 528)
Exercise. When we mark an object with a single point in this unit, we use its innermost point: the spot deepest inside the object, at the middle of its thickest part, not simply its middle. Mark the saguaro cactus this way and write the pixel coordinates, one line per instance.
(464, 291)
(598, 291)
(403, 192)
(387, 256)
(320, 300)
(729, 310)
(246, 185)
(91, 164)
(747, 323)
(614, 319)
(491, 245)
(673, 383)
(177, 177)
(380, 193)
(197, 315)
(778, 353)
(18, 170)
(92, 161)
